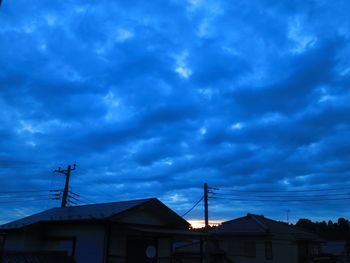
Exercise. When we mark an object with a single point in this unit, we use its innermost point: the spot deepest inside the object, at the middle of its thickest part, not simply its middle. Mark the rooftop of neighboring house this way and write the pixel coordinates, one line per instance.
(97, 212)
(258, 225)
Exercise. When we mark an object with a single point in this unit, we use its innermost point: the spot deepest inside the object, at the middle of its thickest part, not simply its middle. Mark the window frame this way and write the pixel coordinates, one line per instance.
(268, 250)
(71, 239)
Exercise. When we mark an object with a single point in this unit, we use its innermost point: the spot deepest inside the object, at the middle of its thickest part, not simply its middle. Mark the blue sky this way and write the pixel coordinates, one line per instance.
(154, 98)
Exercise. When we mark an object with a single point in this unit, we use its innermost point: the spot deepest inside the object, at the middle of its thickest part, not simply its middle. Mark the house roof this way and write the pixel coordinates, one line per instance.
(102, 211)
(257, 225)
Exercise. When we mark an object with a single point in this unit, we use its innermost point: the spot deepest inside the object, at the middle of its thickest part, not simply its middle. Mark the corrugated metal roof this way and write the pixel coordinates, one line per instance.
(260, 225)
(84, 212)
(243, 225)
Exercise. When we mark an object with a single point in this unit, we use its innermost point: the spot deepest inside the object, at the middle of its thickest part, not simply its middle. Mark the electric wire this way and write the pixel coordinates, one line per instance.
(21, 201)
(288, 197)
(193, 206)
(276, 200)
(86, 200)
(28, 191)
(79, 198)
(25, 197)
(277, 191)
(74, 198)
(280, 196)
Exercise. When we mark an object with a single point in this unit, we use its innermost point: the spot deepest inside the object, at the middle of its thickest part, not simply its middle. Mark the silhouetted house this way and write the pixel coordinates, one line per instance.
(127, 232)
(257, 239)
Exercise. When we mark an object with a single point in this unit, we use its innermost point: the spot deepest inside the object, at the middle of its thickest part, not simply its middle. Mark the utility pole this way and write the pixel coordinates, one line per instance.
(66, 173)
(206, 214)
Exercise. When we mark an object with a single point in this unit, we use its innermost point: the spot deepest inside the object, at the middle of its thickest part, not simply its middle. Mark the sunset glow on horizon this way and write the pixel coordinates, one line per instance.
(199, 223)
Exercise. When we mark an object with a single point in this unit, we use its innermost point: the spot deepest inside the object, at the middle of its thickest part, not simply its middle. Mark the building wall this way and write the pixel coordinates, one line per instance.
(116, 251)
(89, 241)
(239, 250)
(285, 251)
(164, 250)
(119, 242)
(27, 240)
(14, 242)
(144, 217)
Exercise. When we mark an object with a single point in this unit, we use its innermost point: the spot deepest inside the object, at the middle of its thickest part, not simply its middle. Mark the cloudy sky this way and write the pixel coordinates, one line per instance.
(154, 98)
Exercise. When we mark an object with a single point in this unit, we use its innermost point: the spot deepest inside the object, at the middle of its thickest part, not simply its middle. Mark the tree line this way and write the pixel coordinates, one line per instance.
(339, 230)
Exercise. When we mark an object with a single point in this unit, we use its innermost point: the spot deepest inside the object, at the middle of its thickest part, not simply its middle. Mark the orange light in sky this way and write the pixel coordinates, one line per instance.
(198, 223)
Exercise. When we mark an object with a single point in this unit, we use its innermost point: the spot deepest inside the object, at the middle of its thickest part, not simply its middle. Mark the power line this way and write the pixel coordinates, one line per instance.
(70, 202)
(74, 198)
(276, 200)
(83, 203)
(80, 197)
(28, 191)
(25, 197)
(25, 166)
(87, 201)
(71, 192)
(277, 191)
(50, 193)
(278, 196)
(193, 206)
(28, 200)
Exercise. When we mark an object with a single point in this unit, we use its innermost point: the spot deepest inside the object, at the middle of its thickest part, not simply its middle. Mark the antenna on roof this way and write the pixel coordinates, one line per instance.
(66, 173)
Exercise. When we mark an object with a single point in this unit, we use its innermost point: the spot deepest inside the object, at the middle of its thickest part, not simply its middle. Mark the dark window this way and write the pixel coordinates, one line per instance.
(66, 244)
(315, 250)
(303, 248)
(2, 242)
(141, 250)
(268, 250)
(242, 248)
(250, 249)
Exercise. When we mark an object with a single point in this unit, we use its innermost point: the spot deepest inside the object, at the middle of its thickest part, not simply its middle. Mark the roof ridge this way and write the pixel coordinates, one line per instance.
(73, 209)
(294, 227)
(106, 203)
(276, 221)
(39, 213)
(261, 224)
(233, 220)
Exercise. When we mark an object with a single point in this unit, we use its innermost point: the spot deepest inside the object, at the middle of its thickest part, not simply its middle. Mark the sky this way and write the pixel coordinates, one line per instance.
(155, 98)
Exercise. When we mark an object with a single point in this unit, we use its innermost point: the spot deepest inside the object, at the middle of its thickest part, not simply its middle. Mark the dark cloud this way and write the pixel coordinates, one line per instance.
(307, 71)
